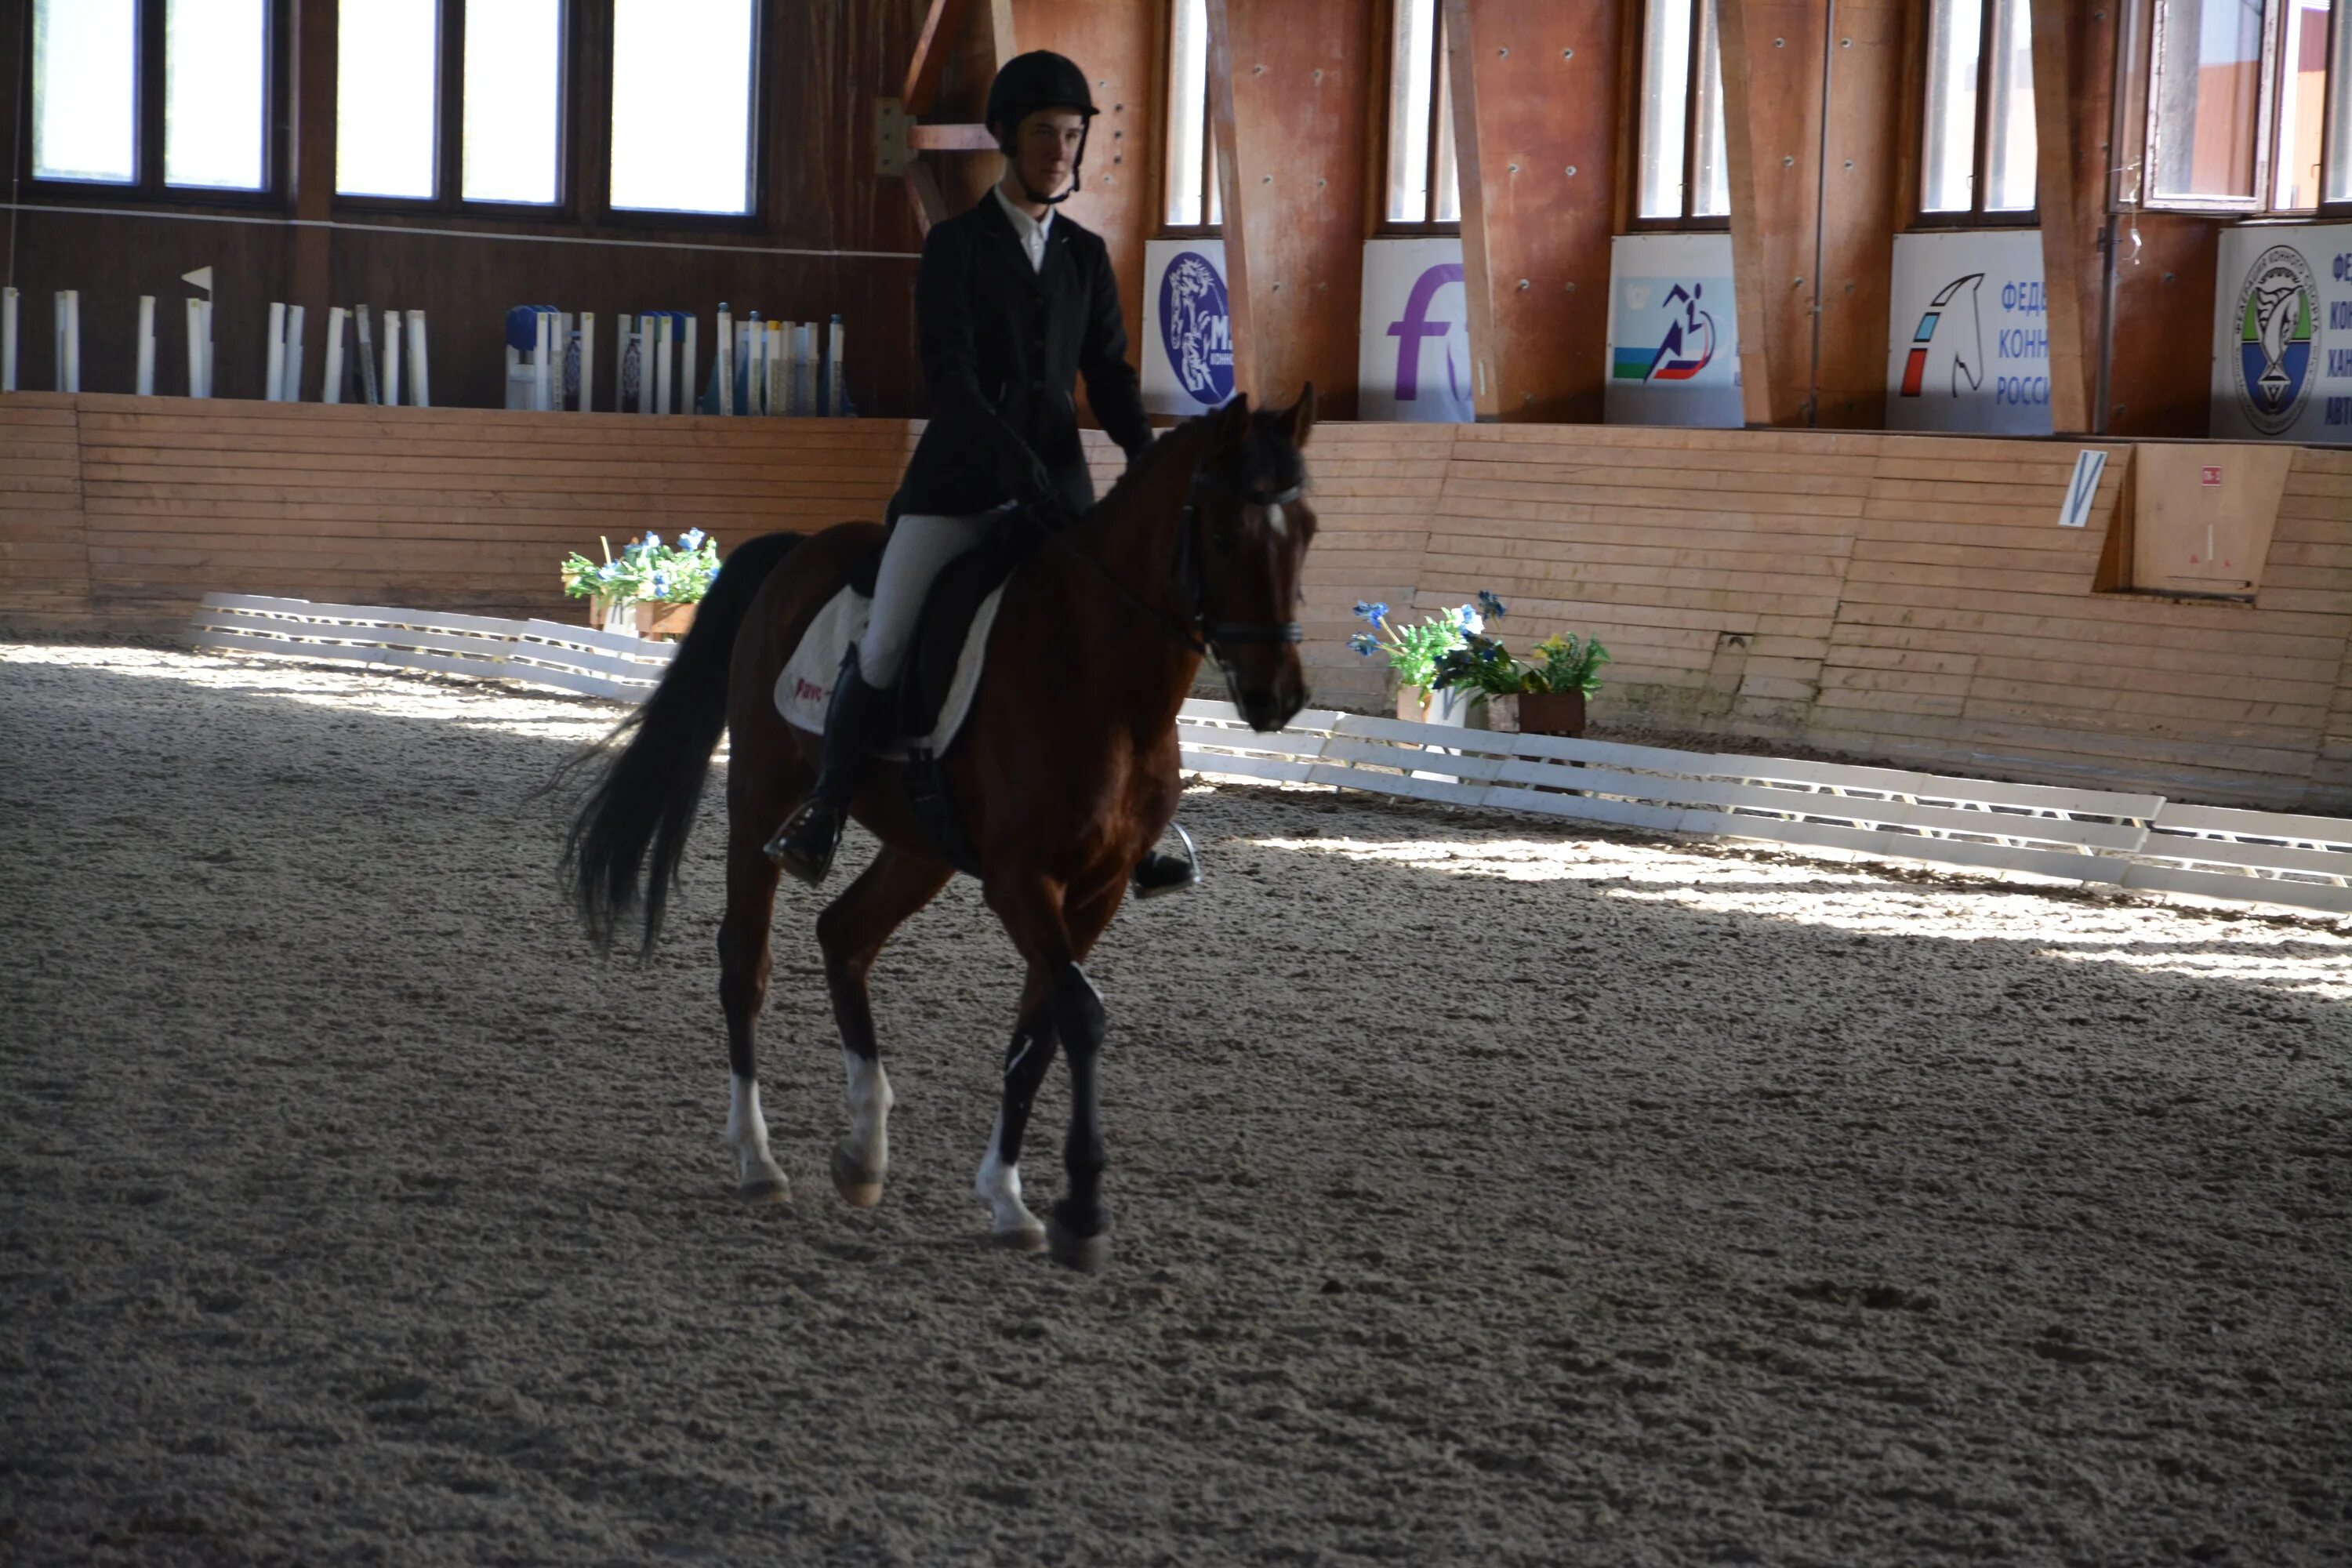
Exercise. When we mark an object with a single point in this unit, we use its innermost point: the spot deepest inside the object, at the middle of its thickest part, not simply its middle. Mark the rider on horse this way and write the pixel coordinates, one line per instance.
(1013, 301)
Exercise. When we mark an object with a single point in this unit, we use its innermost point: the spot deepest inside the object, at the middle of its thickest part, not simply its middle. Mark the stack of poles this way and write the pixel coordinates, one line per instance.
(8, 340)
(380, 376)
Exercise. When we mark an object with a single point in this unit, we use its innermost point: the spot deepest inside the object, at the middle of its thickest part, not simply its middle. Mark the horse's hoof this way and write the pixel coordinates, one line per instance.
(765, 1189)
(1086, 1254)
(859, 1185)
(1020, 1239)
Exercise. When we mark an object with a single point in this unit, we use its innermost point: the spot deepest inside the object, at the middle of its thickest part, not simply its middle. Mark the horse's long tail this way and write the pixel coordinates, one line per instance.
(644, 800)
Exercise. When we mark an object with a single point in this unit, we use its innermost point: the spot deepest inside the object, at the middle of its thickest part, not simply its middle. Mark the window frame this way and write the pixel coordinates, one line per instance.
(1979, 176)
(149, 79)
(1211, 195)
(2333, 96)
(2145, 62)
(1715, 223)
(450, 131)
(1440, 92)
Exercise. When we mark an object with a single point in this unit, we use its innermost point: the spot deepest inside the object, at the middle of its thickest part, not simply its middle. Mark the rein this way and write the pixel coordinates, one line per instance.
(1194, 632)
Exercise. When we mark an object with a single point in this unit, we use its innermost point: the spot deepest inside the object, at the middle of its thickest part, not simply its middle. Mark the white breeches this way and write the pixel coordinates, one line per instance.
(922, 547)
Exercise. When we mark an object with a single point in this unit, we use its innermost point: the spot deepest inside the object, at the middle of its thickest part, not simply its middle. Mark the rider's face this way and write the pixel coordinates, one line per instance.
(1046, 147)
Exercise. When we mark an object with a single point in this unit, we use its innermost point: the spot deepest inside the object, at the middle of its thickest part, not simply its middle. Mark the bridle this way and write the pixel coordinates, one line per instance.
(1192, 630)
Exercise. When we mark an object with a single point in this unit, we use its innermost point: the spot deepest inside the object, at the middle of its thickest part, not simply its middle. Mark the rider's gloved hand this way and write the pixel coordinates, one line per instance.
(1025, 474)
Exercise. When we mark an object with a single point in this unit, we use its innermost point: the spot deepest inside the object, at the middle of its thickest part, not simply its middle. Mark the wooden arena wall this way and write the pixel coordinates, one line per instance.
(1875, 596)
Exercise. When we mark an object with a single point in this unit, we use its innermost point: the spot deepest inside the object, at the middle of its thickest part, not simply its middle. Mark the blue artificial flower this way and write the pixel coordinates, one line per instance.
(653, 542)
(661, 585)
(1491, 604)
(1364, 643)
(608, 570)
(1469, 620)
(692, 538)
(1374, 614)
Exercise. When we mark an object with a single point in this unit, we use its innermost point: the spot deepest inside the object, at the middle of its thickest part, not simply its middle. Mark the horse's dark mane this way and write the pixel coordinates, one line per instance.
(1273, 463)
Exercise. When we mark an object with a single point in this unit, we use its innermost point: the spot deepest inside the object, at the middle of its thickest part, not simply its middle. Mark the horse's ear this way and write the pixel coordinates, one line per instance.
(1231, 421)
(1299, 419)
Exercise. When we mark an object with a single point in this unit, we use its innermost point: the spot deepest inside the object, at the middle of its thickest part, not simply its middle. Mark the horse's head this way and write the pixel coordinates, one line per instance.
(1250, 526)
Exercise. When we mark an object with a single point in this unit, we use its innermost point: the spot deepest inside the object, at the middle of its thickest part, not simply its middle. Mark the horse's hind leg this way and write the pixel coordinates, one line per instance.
(742, 992)
(851, 932)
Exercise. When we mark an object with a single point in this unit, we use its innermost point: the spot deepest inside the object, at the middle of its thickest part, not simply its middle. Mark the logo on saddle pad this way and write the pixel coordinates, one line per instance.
(1197, 329)
(804, 686)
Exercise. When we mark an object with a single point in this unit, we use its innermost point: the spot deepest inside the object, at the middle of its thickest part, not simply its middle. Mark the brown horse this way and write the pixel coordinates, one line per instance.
(1065, 774)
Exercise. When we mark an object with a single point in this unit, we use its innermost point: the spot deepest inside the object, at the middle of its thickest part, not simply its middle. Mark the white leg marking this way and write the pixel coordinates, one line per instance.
(756, 1169)
(870, 1111)
(998, 1186)
(1275, 521)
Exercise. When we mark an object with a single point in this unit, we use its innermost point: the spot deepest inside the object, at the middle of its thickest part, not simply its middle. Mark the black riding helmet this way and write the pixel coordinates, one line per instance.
(1039, 79)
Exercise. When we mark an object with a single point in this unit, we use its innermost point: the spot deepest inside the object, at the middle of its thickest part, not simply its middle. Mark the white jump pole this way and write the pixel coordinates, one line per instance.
(69, 311)
(207, 315)
(664, 344)
(755, 366)
(273, 374)
(292, 391)
(624, 327)
(587, 361)
(332, 389)
(835, 385)
(364, 332)
(195, 348)
(8, 340)
(420, 388)
(542, 348)
(725, 351)
(142, 379)
(692, 400)
(391, 359)
(782, 384)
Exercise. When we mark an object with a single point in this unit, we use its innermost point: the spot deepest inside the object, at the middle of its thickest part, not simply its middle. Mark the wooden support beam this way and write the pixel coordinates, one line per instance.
(941, 26)
(1864, 200)
(2071, 116)
(1287, 85)
(1534, 133)
(313, 180)
(1772, 75)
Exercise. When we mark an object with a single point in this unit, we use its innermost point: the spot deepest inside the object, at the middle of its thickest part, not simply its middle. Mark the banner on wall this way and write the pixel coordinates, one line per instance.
(1188, 331)
(1674, 335)
(1968, 338)
(1413, 357)
(2283, 334)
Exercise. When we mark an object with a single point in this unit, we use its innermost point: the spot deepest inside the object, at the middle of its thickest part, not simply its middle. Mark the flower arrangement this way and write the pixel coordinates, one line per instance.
(1414, 651)
(676, 573)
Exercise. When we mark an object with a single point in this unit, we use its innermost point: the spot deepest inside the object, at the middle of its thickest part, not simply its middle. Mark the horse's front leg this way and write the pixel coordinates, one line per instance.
(998, 1184)
(851, 932)
(742, 992)
(1032, 910)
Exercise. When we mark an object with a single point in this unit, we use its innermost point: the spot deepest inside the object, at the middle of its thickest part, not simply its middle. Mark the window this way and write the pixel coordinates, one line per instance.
(401, 62)
(94, 87)
(1979, 157)
(1683, 175)
(1424, 185)
(1193, 200)
(2240, 116)
(682, 90)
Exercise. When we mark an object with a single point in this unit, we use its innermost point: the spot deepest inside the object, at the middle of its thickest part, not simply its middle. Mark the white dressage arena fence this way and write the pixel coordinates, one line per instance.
(2142, 842)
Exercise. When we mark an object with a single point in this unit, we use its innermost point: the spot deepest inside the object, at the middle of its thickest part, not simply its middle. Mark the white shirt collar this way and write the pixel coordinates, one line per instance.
(1032, 231)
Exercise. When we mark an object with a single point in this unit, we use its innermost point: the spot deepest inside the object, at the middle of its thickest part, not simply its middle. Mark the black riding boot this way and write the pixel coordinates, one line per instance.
(854, 721)
(1158, 875)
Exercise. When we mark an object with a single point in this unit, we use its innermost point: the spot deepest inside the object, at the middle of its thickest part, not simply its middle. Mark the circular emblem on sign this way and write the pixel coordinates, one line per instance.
(2278, 337)
(1194, 327)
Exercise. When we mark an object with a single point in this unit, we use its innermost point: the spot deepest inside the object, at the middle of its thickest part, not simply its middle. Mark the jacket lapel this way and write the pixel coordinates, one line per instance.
(1005, 251)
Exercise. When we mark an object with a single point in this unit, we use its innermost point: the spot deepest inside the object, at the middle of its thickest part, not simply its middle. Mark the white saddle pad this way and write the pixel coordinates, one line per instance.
(805, 687)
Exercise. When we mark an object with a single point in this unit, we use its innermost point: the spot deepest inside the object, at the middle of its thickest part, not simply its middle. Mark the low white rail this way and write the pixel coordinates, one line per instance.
(2136, 841)
(537, 652)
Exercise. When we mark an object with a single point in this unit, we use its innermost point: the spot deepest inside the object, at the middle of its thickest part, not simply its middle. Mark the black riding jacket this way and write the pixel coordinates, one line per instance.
(1002, 346)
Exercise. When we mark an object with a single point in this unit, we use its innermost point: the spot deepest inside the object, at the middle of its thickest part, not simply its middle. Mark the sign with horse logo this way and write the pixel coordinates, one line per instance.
(1672, 355)
(1967, 345)
(1188, 332)
(2283, 334)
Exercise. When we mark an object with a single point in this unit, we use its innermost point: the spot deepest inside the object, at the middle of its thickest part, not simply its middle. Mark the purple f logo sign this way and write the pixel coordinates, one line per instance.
(1417, 325)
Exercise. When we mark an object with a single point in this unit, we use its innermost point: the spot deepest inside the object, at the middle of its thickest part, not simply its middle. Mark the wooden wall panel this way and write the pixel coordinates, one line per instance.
(1535, 97)
(1287, 86)
(2162, 377)
(44, 549)
(1375, 491)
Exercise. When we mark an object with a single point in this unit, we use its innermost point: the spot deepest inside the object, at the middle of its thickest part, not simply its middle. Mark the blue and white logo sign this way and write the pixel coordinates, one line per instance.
(1673, 332)
(1968, 343)
(2283, 334)
(1193, 348)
